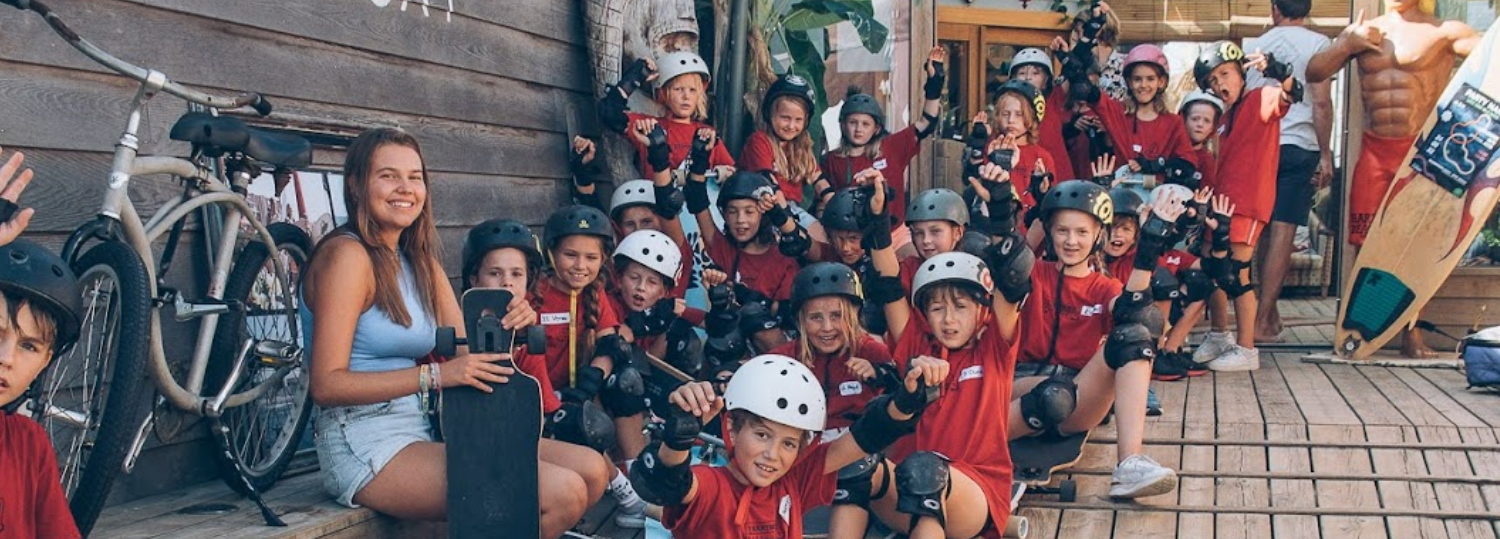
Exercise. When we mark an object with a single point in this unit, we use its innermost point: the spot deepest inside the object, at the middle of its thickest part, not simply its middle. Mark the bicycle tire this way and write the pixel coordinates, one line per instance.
(111, 355)
(280, 416)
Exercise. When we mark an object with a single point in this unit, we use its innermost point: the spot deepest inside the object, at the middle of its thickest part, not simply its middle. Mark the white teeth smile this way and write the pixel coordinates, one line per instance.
(403, 204)
(765, 469)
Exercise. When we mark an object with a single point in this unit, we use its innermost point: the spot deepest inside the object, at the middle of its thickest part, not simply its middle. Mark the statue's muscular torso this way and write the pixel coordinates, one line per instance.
(1402, 83)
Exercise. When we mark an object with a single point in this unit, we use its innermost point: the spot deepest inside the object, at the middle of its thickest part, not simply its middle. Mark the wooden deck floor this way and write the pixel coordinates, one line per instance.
(1295, 450)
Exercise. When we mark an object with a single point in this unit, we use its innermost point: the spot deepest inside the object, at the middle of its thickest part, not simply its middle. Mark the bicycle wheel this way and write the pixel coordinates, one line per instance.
(95, 397)
(264, 433)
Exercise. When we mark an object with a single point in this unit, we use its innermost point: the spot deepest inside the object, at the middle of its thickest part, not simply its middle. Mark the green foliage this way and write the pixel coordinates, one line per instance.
(798, 29)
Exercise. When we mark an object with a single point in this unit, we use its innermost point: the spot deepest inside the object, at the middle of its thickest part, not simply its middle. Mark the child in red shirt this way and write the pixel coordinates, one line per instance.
(759, 242)
(682, 91)
(1201, 112)
(1251, 131)
(1147, 136)
(38, 322)
(503, 253)
(849, 364)
(775, 474)
(1034, 66)
(866, 144)
(1019, 111)
(646, 266)
(783, 146)
(971, 333)
(937, 219)
(1072, 309)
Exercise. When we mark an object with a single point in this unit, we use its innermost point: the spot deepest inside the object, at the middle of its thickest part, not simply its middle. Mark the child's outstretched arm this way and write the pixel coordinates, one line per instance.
(932, 91)
(888, 417)
(612, 106)
(885, 289)
(661, 474)
(1008, 257)
(696, 190)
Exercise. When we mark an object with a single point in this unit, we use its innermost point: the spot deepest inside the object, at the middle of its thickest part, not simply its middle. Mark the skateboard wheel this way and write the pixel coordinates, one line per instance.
(1017, 527)
(1067, 491)
(447, 341)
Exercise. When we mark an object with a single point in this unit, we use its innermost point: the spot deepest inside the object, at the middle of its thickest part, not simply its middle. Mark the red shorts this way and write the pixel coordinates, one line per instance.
(1246, 230)
(1379, 159)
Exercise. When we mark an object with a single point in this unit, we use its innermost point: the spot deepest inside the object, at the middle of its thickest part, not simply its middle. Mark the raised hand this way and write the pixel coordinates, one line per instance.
(14, 179)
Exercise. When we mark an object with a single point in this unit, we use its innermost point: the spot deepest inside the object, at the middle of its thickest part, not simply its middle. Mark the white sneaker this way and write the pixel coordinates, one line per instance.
(1238, 358)
(1215, 344)
(632, 511)
(1139, 476)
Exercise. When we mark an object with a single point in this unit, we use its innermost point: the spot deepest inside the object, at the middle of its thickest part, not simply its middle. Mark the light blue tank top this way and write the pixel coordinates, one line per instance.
(380, 344)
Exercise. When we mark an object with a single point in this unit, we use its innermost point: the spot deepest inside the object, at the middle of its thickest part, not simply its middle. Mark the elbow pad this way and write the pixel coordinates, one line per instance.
(696, 194)
(669, 201)
(876, 429)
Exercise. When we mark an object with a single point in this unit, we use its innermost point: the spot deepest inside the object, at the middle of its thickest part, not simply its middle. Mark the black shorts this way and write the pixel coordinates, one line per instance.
(1294, 186)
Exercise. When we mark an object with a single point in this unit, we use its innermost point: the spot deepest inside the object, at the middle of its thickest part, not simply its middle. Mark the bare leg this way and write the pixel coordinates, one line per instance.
(630, 432)
(1414, 345)
(563, 498)
(1218, 311)
(1277, 262)
(966, 510)
(852, 521)
(590, 465)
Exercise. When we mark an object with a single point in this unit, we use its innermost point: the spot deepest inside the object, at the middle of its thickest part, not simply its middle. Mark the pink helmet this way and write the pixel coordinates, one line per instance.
(1146, 53)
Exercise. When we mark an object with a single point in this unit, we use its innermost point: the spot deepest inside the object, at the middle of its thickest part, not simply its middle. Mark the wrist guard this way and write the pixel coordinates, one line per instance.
(699, 156)
(696, 193)
(1154, 236)
(658, 153)
(933, 88)
(669, 201)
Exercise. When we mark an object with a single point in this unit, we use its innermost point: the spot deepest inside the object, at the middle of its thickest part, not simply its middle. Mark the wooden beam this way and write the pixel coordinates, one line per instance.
(1003, 18)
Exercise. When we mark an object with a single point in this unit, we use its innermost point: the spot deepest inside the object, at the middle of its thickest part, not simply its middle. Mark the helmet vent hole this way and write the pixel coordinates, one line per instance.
(802, 409)
(782, 403)
(57, 271)
(783, 372)
(18, 256)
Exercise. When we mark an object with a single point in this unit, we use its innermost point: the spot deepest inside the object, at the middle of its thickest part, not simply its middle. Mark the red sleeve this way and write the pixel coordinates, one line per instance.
(696, 514)
(1272, 106)
(720, 157)
(788, 274)
(874, 351)
(812, 485)
(1112, 115)
(608, 316)
(694, 316)
(53, 518)
(757, 154)
(536, 366)
(686, 275)
(902, 146)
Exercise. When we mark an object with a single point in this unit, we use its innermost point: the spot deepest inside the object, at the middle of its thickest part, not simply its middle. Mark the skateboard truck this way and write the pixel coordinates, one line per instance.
(486, 336)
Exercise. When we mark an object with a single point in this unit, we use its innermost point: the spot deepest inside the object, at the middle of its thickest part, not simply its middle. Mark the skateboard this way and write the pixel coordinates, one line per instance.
(1036, 458)
(491, 438)
(1432, 212)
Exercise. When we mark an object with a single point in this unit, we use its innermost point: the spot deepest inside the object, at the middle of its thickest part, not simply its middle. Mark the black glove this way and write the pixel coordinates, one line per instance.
(1155, 235)
(1275, 69)
(699, 156)
(1221, 234)
(586, 385)
(933, 89)
(979, 137)
(680, 431)
(658, 153)
(887, 379)
(654, 320)
(913, 402)
(634, 76)
(1151, 166)
(777, 216)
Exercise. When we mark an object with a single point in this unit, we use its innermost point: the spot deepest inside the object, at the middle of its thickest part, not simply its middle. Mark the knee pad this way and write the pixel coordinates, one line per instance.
(921, 483)
(1164, 285)
(1231, 280)
(856, 480)
(624, 392)
(1130, 342)
(1049, 403)
(583, 424)
(1197, 285)
(1135, 308)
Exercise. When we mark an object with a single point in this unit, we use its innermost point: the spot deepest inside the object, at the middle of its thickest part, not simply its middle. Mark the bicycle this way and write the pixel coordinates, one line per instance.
(247, 375)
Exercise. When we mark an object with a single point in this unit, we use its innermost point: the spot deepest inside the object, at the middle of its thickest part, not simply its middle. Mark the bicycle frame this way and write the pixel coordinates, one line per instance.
(118, 214)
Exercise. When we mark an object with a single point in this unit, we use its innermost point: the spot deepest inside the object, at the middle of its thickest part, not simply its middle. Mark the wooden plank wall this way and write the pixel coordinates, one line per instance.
(485, 92)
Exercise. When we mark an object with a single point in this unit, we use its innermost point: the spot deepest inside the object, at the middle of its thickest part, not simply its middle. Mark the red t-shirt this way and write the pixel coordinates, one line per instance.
(759, 156)
(557, 314)
(1208, 166)
(909, 272)
(969, 421)
(725, 507)
(1084, 322)
(1249, 152)
(1172, 260)
(536, 366)
(32, 504)
(896, 153)
(1050, 131)
(1163, 137)
(680, 137)
(847, 394)
(769, 273)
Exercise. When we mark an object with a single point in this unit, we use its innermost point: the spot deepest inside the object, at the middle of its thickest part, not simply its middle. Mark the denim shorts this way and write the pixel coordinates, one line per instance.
(355, 442)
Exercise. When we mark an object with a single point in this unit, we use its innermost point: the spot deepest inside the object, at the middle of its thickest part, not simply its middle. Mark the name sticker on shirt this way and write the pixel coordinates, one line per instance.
(1091, 310)
(851, 388)
(879, 165)
(1174, 260)
(1136, 147)
(553, 319)
(970, 373)
(786, 509)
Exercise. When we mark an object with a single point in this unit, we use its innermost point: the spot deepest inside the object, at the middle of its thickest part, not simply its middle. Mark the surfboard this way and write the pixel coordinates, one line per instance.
(1432, 212)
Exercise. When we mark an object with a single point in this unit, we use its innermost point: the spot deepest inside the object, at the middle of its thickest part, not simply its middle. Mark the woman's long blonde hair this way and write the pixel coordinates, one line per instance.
(853, 332)
(418, 242)
(794, 159)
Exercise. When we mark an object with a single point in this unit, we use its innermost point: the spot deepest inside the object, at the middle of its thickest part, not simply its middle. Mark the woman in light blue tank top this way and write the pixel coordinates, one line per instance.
(375, 292)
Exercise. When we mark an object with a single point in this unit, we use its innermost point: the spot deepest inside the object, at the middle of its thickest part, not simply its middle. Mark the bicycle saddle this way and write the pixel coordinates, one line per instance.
(218, 135)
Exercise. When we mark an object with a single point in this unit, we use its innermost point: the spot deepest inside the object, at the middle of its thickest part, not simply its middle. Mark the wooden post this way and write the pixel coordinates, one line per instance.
(923, 38)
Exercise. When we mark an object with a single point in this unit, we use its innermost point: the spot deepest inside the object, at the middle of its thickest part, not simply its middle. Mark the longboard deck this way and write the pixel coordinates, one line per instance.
(1432, 212)
(491, 444)
(1035, 459)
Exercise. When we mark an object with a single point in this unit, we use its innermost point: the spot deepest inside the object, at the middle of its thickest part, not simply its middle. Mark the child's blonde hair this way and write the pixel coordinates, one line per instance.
(700, 112)
(853, 331)
(798, 164)
(1032, 133)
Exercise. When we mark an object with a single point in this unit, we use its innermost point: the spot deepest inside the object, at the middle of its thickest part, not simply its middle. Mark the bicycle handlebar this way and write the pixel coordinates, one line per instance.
(147, 76)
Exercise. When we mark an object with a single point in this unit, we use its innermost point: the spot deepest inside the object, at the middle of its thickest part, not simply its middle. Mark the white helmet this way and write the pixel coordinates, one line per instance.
(632, 193)
(955, 267)
(778, 388)
(654, 250)
(1200, 95)
(674, 64)
(1181, 191)
(1031, 56)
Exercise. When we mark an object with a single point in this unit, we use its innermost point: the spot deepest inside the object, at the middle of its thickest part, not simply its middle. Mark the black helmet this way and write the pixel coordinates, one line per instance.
(842, 211)
(31, 271)
(578, 220)
(1126, 201)
(1214, 55)
(744, 185)
(1083, 196)
(857, 102)
(938, 204)
(825, 279)
(1028, 94)
(495, 234)
(787, 85)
